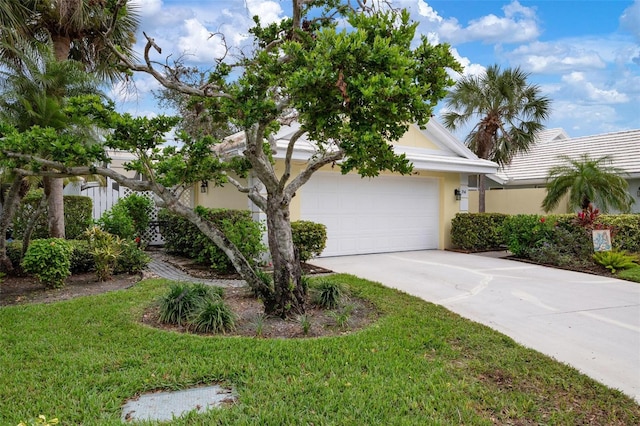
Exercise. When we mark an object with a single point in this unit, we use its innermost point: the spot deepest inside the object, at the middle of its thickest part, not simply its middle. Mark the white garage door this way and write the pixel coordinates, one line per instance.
(383, 214)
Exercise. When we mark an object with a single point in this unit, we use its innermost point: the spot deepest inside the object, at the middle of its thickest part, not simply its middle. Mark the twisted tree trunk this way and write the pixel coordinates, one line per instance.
(288, 296)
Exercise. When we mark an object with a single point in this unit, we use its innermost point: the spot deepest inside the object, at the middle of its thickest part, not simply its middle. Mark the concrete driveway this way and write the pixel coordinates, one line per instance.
(587, 321)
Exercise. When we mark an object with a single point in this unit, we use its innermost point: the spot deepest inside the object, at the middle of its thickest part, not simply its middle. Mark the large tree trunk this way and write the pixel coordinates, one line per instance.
(481, 193)
(53, 189)
(9, 208)
(288, 297)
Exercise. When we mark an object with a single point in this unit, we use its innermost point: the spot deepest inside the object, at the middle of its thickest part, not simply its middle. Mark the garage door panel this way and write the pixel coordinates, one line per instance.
(387, 213)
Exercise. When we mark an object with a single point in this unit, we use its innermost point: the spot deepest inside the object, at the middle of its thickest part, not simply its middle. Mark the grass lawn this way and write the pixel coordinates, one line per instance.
(632, 274)
(419, 364)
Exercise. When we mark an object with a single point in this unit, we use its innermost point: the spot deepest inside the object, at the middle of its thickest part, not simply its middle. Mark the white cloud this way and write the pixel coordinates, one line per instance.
(583, 119)
(630, 19)
(199, 44)
(147, 7)
(519, 24)
(134, 89)
(590, 92)
(268, 11)
(469, 68)
(539, 57)
(427, 11)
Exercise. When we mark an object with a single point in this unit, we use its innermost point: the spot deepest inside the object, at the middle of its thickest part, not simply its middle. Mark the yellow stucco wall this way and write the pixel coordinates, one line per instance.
(415, 138)
(226, 197)
(515, 201)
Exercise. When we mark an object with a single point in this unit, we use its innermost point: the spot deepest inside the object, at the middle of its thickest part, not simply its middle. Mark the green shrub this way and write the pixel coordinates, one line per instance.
(212, 315)
(327, 294)
(78, 215)
(615, 260)
(566, 246)
(78, 211)
(14, 253)
(117, 221)
(132, 259)
(49, 260)
(140, 209)
(106, 249)
(477, 231)
(81, 258)
(184, 238)
(523, 233)
(310, 238)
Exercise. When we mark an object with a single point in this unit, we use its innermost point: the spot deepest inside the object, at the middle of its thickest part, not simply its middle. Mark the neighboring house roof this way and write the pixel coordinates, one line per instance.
(532, 168)
(448, 155)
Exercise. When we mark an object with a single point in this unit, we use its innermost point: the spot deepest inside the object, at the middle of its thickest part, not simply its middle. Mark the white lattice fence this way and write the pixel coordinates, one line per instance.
(105, 197)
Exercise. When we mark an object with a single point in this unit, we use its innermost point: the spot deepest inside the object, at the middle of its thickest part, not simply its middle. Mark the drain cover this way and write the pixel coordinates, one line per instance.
(167, 405)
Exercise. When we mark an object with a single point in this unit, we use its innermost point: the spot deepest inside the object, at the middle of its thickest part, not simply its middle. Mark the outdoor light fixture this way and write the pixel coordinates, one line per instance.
(458, 194)
(204, 186)
(638, 193)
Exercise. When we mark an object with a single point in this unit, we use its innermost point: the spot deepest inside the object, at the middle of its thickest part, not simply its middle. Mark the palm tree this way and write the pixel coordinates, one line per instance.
(77, 30)
(588, 180)
(507, 110)
(34, 90)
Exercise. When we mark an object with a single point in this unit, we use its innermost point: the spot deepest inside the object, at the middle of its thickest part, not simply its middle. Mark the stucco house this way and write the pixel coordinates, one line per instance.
(383, 214)
(520, 187)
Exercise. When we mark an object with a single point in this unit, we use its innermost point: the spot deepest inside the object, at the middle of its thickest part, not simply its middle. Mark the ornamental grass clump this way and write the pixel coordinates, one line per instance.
(197, 306)
(178, 304)
(212, 315)
(327, 294)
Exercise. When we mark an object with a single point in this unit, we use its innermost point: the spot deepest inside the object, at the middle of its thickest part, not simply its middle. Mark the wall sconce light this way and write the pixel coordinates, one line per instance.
(638, 193)
(458, 194)
(204, 186)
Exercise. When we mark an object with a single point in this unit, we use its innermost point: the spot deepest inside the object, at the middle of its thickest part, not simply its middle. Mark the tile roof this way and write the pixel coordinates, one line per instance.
(532, 167)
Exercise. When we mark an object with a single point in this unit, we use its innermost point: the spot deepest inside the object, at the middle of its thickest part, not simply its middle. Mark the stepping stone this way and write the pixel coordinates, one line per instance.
(163, 406)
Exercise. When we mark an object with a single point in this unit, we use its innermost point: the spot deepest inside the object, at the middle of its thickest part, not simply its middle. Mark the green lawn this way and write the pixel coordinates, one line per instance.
(418, 364)
(632, 274)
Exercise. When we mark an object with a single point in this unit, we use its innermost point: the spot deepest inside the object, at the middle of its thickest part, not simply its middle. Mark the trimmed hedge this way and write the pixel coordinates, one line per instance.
(525, 234)
(78, 216)
(477, 231)
(184, 238)
(627, 230)
(310, 238)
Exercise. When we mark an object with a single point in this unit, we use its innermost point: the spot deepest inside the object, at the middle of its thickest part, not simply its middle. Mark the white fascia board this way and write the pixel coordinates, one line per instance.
(424, 160)
(452, 164)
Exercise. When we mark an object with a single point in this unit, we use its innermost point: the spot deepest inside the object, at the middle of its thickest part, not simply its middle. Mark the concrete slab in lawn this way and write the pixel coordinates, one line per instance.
(163, 406)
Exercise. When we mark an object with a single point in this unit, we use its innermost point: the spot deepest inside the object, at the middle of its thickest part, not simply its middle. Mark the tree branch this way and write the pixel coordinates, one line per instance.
(311, 168)
(287, 159)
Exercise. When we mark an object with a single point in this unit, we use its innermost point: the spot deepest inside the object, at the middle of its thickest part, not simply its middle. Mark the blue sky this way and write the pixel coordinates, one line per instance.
(584, 55)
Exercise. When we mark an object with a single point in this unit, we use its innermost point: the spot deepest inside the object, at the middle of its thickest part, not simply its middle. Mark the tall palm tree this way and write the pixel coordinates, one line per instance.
(33, 92)
(507, 110)
(588, 180)
(77, 30)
